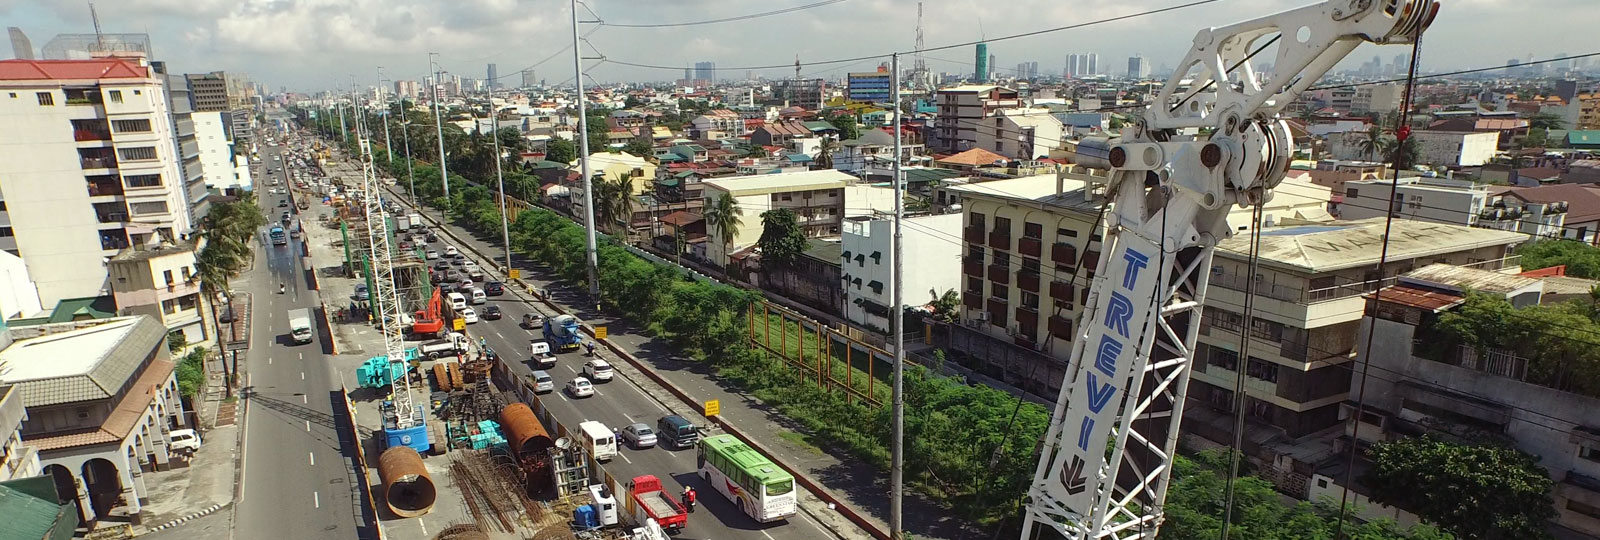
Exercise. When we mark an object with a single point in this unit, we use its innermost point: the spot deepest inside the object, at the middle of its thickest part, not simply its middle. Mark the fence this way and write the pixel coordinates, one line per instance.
(350, 439)
(818, 353)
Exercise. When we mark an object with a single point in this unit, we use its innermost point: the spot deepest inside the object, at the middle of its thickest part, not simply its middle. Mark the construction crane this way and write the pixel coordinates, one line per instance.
(403, 423)
(1211, 140)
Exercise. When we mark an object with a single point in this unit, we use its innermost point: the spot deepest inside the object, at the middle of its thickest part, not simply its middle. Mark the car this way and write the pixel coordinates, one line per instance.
(285, 218)
(434, 254)
(580, 387)
(452, 275)
(436, 277)
(494, 288)
(458, 260)
(492, 313)
(597, 370)
(361, 292)
(433, 238)
(676, 432)
(464, 283)
(467, 314)
(451, 251)
(639, 436)
(475, 273)
(441, 266)
(184, 439)
(405, 244)
(532, 320)
(283, 203)
(542, 382)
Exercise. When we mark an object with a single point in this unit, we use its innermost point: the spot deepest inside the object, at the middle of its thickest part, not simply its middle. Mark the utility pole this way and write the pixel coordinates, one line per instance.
(505, 225)
(387, 150)
(405, 135)
(583, 160)
(438, 127)
(896, 472)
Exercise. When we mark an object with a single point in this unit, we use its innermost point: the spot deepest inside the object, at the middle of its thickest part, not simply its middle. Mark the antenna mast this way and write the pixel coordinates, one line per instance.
(99, 39)
(919, 68)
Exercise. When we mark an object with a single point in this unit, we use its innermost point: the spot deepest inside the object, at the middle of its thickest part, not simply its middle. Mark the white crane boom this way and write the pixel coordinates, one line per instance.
(1106, 460)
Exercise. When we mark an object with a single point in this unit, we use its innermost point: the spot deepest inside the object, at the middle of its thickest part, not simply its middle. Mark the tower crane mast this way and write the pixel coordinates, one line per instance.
(1212, 139)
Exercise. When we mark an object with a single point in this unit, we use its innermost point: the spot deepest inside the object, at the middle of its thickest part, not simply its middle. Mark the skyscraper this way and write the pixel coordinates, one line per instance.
(1138, 68)
(1091, 64)
(1071, 70)
(980, 64)
(528, 80)
(494, 77)
(705, 71)
(994, 65)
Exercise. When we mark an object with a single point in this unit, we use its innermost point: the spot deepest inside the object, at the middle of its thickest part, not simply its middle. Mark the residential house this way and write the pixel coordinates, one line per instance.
(1581, 205)
(816, 197)
(1456, 148)
(962, 111)
(615, 165)
(1510, 129)
(717, 124)
(1022, 134)
(1456, 202)
(779, 133)
(160, 281)
(970, 160)
(874, 149)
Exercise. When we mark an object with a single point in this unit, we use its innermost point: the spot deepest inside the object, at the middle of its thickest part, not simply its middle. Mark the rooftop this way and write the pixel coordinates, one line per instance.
(975, 157)
(82, 364)
(94, 69)
(1459, 279)
(130, 254)
(764, 184)
(1350, 244)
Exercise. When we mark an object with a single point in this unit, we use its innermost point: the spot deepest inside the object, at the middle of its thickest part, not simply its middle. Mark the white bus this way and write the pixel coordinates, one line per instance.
(757, 486)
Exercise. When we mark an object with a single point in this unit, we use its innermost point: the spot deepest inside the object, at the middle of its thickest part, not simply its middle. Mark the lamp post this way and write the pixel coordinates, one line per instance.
(438, 126)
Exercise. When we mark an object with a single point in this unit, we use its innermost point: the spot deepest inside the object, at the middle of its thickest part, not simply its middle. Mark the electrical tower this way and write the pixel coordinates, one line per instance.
(920, 78)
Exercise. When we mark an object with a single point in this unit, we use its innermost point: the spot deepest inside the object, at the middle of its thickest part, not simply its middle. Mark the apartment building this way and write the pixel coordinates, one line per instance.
(717, 124)
(1376, 98)
(1456, 148)
(869, 87)
(87, 153)
(807, 94)
(928, 242)
(874, 149)
(16, 459)
(816, 197)
(962, 110)
(18, 295)
(1455, 202)
(1417, 387)
(1023, 134)
(160, 281)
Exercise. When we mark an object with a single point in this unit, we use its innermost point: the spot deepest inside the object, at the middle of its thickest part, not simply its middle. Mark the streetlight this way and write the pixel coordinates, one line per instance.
(438, 126)
(387, 150)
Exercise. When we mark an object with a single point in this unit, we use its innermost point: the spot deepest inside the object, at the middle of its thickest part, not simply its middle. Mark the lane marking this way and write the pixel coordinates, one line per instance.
(302, 356)
(422, 525)
(313, 458)
(563, 395)
(628, 416)
(624, 457)
(570, 368)
(316, 500)
(502, 336)
(308, 425)
(303, 399)
(269, 360)
(302, 375)
(769, 537)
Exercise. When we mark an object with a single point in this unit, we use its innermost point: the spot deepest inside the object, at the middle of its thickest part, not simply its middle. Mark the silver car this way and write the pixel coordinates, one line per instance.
(639, 436)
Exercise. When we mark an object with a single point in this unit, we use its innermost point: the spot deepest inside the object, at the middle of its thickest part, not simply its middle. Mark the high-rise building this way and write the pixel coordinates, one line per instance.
(528, 80)
(493, 81)
(186, 144)
(994, 65)
(87, 154)
(1138, 68)
(21, 47)
(980, 64)
(1071, 69)
(705, 71)
(804, 93)
(1028, 71)
(1091, 64)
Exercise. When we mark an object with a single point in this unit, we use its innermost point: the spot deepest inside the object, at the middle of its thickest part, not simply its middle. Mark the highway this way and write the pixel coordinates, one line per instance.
(296, 481)
(617, 404)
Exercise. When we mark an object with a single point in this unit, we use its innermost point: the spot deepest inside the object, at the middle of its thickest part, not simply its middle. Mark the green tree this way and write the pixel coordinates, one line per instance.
(825, 150)
(632, 102)
(1476, 492)
(561, 150)
(947, 306)
(640, 147)
(1581, 259)
(1373, 143)
(724, 217)
(613, 202)
(846, 123)
(1545, 121)
(782, 242)
(176, 341)
(1406, 155)
(511, 141)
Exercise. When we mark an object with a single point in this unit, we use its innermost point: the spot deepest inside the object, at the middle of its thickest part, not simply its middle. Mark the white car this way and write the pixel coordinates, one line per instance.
(451, 251)
(185, 439)
(580, 387)
(467, 314)
(433, 254)
(597, 370)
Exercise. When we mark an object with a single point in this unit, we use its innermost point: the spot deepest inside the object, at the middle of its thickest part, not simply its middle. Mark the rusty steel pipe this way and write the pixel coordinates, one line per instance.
(407, 488)
(524, 434)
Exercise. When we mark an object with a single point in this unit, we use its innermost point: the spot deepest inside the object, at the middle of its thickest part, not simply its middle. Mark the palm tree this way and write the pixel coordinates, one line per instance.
(825, 153)
(213, 265)
(1373, 144)
(723, 217)
(613, 201)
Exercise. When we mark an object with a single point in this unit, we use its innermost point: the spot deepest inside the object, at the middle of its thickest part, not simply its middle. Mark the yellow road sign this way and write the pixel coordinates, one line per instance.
(461, 324)
(713, 408)
(515, 273)
(599, 332)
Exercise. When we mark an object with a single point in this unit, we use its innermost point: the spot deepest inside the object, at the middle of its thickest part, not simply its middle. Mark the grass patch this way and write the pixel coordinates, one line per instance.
(801, 440)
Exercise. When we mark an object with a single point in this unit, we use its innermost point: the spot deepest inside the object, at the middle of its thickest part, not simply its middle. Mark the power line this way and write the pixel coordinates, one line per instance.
(726, 19)
(1453, 73)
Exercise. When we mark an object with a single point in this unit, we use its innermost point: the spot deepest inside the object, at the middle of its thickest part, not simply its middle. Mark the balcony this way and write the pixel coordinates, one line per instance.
(1000, 273)
(972, 299)
(1061, 327)
(1091, 259)
(1028, 280)
(997, 307)
(973, 233)
(113, 243)
(1027, 317)
(1064, 254)
(105, 162)
(972, 267)
(1030, 246)
(112, 217)
(1062, 291)
(999, 239)
(83, 135)
(104, 188)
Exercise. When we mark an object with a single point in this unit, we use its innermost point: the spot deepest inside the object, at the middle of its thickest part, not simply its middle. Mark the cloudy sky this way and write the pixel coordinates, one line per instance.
(318, 44)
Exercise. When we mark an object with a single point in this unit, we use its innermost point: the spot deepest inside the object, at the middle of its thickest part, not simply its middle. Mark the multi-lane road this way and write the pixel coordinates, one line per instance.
(296, 481)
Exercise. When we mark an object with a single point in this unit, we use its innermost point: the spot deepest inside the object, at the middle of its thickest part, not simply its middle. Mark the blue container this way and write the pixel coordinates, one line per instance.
(585, 518)
(415, 437)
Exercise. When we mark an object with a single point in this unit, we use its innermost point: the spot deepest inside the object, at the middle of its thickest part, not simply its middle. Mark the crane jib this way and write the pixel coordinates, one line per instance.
(1120, 317)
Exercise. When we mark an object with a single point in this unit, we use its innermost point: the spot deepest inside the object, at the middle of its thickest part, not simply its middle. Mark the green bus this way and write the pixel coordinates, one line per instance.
(760, 488)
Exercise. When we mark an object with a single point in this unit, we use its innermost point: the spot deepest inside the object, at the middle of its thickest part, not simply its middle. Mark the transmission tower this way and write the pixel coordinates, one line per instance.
(385, 299)
(919, 68)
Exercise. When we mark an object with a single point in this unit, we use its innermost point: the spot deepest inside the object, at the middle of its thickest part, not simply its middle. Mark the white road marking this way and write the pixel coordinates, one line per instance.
(502, 336)
(563, 396)
(316, 500)
(303, 399)
(625, 457)
(302, 375)
(313, 458)
(269, 360)
(422, 525)
(570, 368)
(308, 425)
(302, 356)
(769, 537)
(628, 416)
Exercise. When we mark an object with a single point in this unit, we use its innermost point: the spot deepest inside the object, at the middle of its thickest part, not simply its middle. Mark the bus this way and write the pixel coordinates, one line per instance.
(759, 487)
(278, 238)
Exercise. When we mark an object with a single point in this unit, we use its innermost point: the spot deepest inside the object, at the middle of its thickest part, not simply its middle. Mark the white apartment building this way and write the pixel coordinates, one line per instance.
(717, 124)
(816, 197)
(16, 459)
(88, 160)
(216, 152)
(1457, 148)
(1455, 202)
(183, 143)
(18, 296)
(1378, 98)
(1020, 133)
(928, 242)
(962, 110)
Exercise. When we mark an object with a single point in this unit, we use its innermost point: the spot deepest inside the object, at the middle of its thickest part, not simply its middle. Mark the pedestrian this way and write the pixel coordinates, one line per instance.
(688, 496)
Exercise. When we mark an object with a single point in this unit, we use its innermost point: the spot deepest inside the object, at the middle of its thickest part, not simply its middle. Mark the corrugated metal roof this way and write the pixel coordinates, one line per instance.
(1427, 299)
(134, 339)
(31, 516)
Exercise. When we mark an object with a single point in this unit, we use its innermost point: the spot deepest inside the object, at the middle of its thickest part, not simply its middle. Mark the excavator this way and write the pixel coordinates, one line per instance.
(1212, 139)
(429, 323)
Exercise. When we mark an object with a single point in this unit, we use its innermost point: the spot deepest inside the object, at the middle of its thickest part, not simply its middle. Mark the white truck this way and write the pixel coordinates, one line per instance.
(451, 345)
(300, 325)
(402, 222)
(415, 219)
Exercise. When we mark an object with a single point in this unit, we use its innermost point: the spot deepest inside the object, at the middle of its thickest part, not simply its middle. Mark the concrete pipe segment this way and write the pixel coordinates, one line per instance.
(523, 432)
(407, 489)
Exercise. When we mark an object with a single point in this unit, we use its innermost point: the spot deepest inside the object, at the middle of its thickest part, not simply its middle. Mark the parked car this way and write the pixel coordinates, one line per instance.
(597, 370)
(580, 387)
(184, 439)
(467, 314)
(639, 436)
(361, 294)
(492, 313)
(494, 288)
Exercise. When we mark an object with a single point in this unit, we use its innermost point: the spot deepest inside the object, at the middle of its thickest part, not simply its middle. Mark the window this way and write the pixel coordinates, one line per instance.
(47, 99)
(2, 206)
(167, 275)
(975, 220)
(1002, 258)
(1002, 225)
(999, 147)
(142, 180)
(5, 232)
(137, 153)
(115, 96)
(999, 291)
(146, 208)
(131, 126)
(1267, 330)
(1224, 359)
(974, 285)
(1032, 230)
(169, 307)
(1322, 482)
(1262, 369)
(975, 253)
(1258, 409)
(1589, 452)
(1351, 193)
(1030, 300)
(1069, 233)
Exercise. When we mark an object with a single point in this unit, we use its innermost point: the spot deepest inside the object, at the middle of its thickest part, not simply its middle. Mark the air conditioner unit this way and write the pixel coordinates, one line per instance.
(983, 315)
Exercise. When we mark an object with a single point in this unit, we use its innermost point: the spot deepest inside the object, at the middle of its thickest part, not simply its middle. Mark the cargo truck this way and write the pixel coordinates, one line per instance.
(651, 503)
(300, 325)
(451, 345)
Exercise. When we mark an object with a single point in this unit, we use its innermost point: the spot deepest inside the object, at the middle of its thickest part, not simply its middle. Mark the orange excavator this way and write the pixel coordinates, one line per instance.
(430, 322)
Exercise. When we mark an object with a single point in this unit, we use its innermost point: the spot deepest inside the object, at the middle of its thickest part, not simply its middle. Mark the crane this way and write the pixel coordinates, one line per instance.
(1174, 174)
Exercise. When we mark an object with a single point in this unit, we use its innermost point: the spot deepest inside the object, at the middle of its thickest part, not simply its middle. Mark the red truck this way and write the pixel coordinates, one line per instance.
(650, 502)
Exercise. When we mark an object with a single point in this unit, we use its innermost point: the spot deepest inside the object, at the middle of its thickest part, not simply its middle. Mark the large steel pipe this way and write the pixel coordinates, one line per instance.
(407, 489)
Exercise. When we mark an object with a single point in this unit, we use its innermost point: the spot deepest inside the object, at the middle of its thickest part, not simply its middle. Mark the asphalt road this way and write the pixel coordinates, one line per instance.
(296, 481)
(617, 404)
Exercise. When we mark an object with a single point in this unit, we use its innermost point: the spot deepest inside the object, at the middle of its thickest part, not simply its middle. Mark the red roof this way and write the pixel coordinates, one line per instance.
(98, 68)
(1417, 297)
(976, 157)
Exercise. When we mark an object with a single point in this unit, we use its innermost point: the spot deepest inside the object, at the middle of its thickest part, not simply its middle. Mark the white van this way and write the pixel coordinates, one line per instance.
(477, 295)
(185, 439)
(457, 301)
(599, 439)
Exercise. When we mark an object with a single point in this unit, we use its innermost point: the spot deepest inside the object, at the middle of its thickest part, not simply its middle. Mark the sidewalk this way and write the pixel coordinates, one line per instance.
(841, 476)
(205, 483)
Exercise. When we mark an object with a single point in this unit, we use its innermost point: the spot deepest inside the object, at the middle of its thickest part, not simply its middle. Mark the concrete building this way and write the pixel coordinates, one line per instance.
(185, 146)
(160, 282)
(493, 81)
(217, 155)
(1457, 148)
(869, 87)
(1023, 134)
(613, 166)
(16, 459)
(1376, 98)
(873, 152)
(816, 197)
(706, 71)
(18, 296)
(1455, 202)
(928, 242)
(1579, 202)
(808, 94)
(716, 125)
(101, 398)
(1418, 386)
(87, 156)
(963, 111)
(1138, 67)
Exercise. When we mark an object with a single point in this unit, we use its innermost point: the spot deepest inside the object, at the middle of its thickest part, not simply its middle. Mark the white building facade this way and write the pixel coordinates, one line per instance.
(929, 242)
(1020, 133)
(216, 152)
